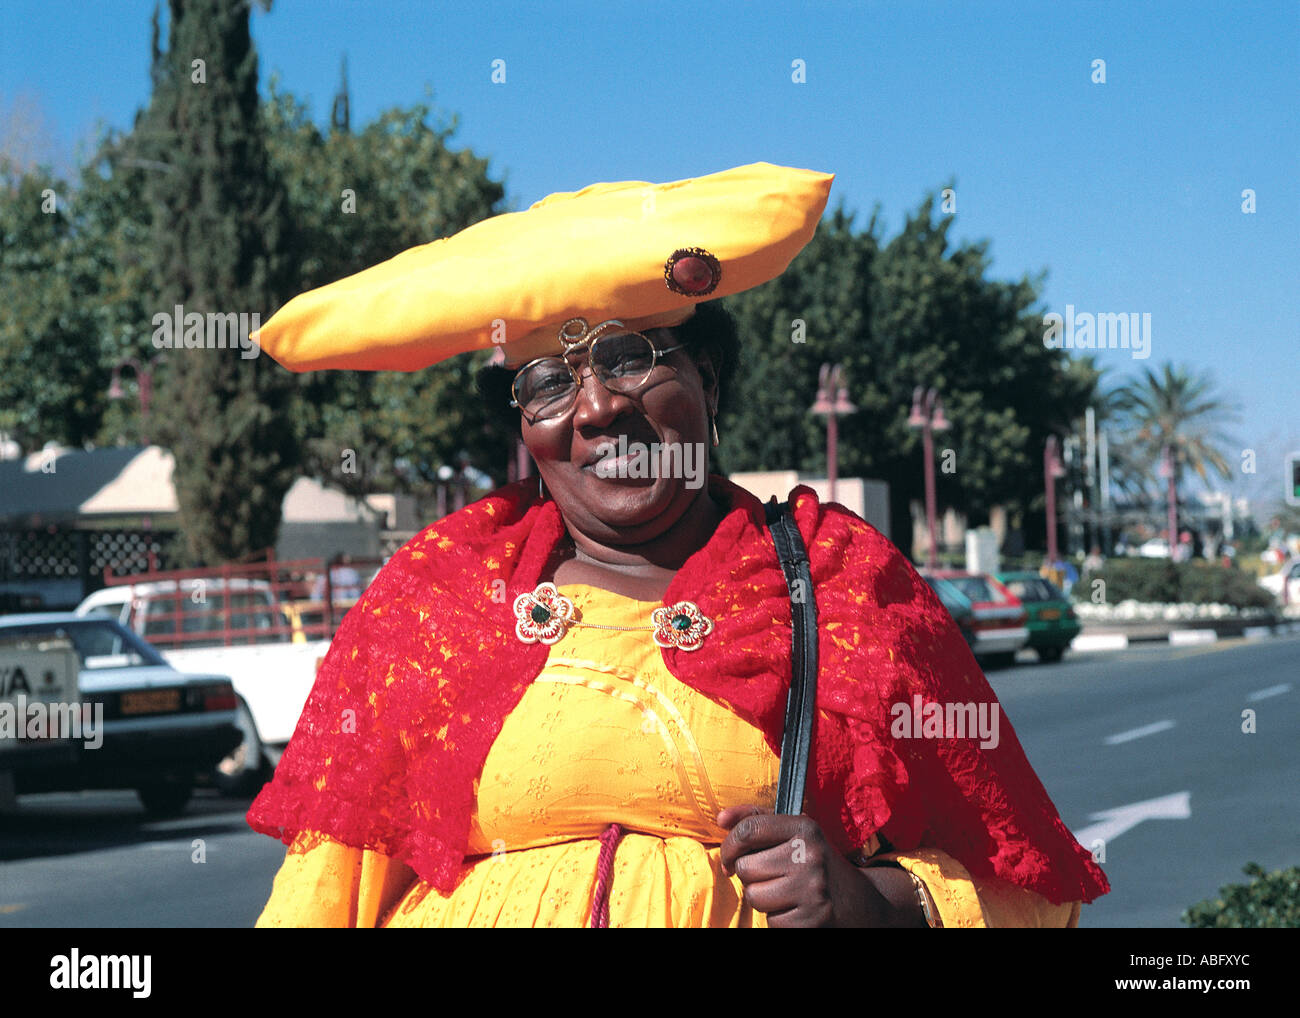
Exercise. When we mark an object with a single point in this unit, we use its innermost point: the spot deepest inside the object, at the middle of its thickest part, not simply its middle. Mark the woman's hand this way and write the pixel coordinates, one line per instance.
(792, 873)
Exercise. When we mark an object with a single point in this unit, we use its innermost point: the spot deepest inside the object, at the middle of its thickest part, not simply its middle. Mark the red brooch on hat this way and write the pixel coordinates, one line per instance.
(692, 272)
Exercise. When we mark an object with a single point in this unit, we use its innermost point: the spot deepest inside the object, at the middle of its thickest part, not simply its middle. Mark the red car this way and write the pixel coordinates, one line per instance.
(993, 620)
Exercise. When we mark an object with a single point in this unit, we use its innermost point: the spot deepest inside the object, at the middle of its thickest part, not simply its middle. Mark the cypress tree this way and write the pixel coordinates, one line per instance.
(341, 111)
(219, 242)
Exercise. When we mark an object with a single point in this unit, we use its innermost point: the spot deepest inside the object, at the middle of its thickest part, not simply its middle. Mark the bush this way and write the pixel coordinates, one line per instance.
(1163, 582)
(1272, 900)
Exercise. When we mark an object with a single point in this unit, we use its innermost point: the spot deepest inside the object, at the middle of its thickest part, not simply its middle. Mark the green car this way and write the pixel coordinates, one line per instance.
(1052, 622)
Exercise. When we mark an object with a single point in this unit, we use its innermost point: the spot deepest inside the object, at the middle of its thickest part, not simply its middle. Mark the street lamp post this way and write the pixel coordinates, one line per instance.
(927, 414)
(832, 400)
(1052, 469)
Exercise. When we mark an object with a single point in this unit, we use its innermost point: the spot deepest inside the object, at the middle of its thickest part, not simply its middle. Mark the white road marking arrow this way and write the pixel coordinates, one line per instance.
(1114, 822)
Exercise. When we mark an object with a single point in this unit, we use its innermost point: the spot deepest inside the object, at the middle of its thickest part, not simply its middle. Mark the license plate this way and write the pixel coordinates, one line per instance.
(1050, 613)
(151, 701)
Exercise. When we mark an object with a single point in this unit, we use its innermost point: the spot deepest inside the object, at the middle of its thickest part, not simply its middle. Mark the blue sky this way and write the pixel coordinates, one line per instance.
(1129, 193)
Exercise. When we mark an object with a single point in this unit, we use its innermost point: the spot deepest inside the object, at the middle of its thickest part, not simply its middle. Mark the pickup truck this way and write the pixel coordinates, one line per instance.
(229, 626)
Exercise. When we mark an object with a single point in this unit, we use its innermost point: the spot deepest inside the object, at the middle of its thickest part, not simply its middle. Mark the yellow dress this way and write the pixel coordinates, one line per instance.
(605, 734)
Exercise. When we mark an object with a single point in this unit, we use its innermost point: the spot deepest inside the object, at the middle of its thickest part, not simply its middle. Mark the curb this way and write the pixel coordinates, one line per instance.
(1178, 637)
(1100, 641)
(1181, 637)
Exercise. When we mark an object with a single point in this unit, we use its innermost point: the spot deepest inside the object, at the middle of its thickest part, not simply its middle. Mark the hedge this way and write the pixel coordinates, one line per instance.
(1271, 900)
(1163, 582)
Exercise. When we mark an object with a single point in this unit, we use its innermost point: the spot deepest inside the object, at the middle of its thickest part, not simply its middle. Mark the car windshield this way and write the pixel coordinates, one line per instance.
(976, 588)
(99, 643)
(953, 599)
(1036, 589)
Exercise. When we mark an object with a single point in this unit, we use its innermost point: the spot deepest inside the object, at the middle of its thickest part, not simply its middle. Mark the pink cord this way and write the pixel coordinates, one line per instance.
(609, 840)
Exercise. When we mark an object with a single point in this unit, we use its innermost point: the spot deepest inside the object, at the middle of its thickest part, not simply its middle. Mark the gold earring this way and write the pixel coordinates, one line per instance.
(713, 423)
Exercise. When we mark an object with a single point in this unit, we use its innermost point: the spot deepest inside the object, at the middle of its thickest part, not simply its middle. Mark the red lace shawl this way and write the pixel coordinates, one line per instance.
(425, 668)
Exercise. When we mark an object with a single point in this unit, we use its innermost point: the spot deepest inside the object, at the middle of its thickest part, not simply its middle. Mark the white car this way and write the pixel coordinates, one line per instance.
(231, 627)
(144, 725)
(41, 709)
(1291, 573)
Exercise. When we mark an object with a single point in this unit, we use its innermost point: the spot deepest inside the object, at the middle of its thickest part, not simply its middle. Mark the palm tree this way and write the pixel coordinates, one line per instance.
(1174, 418)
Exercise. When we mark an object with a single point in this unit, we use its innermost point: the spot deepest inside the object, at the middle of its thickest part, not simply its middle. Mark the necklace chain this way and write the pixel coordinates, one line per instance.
(622, 629)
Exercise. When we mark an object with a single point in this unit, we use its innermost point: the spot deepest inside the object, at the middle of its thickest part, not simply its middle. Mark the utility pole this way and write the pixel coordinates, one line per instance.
(1103, 452)
(1092, 535)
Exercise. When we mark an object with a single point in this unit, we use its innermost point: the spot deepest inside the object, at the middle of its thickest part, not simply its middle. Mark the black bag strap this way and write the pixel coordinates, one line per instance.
(796, 742)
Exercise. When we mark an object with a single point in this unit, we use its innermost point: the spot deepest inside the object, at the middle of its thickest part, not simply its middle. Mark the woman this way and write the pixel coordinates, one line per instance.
(564, 704)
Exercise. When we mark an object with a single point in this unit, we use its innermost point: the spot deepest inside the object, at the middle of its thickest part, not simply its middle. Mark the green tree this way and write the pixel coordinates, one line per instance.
(218, 238)
(52, 375)
(112, 240)
(192, 207)
(359, 199)
(74, 301)
(913, 311)
(809, 314)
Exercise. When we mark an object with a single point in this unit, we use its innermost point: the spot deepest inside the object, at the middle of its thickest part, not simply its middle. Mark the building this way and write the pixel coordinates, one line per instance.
(67, 515)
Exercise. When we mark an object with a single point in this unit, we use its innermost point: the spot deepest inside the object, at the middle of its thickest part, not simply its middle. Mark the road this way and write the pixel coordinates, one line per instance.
(1177, 713)
(1103, 730)
(92, 859)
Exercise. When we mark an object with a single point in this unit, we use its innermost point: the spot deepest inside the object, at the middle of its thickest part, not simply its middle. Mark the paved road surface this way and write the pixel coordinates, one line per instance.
(1178, 715)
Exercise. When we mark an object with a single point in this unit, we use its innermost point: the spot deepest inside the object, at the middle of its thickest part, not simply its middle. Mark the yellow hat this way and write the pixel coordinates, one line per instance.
(642, 253)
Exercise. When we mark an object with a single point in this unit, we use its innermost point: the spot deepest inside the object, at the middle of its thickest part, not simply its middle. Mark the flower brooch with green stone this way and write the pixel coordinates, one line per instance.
(545, 615)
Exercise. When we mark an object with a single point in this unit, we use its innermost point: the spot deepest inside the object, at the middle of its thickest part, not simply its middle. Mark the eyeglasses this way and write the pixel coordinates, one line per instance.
(621, 360)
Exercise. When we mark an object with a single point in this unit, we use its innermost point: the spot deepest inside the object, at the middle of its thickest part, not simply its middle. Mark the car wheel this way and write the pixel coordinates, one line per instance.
(1049, 654)
(1004, 660)
(165, 798)
(244, 770)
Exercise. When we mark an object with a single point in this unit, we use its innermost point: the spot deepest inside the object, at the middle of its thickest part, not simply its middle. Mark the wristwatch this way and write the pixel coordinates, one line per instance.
(929, 910)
